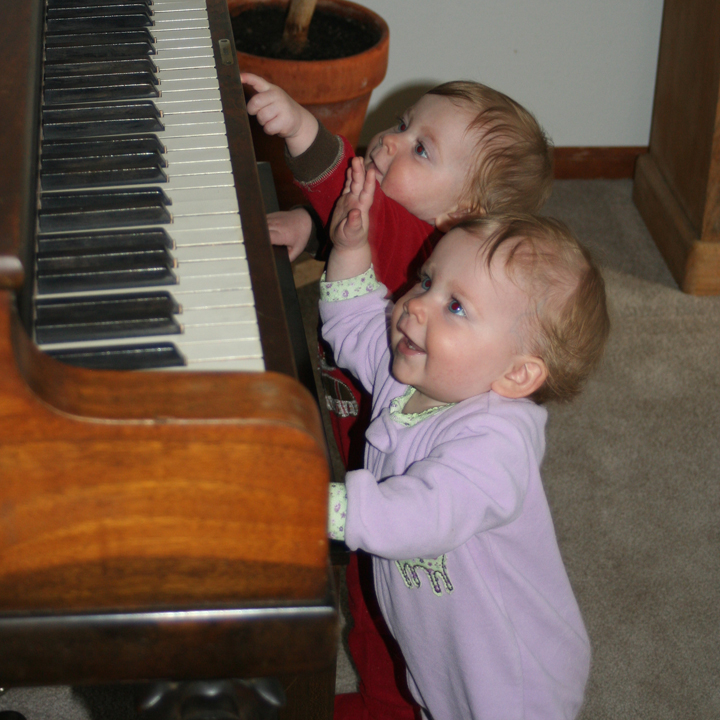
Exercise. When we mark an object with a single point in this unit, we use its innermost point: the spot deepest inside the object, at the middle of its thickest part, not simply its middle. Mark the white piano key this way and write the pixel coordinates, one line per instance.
(220, 297)
(198, 181)
(211, 253)
(189, 20)
(211, 167)
(171, 108)
(177, 35)
(163, 56)
(171, 121)
(242, 316)
(225, 193)
(199, 156)
(200, 39)
(181, 76)
(205, 222)
(197, 90)
(209, 268)
(177, 8)
(203, 237)
(193, 128)
(179, 5)
(194, 142)
(182, 63)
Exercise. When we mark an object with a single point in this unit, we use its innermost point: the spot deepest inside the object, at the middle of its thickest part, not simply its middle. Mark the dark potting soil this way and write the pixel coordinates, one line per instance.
(330, 36)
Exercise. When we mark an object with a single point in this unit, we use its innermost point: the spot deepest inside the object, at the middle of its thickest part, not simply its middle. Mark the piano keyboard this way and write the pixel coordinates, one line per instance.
(140, 261)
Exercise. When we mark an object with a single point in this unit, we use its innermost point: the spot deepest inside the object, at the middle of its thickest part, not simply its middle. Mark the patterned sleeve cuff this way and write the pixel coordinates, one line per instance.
(337, 511)
(348, 289)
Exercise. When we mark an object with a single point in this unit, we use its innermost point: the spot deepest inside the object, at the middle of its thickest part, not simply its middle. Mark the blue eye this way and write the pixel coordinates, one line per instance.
(401, 126)
(456, 308)
(425, 282)
(420, 150)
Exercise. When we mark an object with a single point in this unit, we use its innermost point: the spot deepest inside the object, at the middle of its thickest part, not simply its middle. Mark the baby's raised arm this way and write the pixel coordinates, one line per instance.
(280, 115)
(350, 255)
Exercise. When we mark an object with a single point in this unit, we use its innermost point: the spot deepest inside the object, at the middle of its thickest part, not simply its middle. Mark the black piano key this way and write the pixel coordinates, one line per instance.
(100, 162)
(137, 357)
(90, 3)
(140, 239)
(111, 38)
(78, 121)
(94, 209)
(98, 22)
(115, 271)
(102, 178)
(102, 92)
(101, 67)
(102, 317)
(61, 9)
(93, 80)
(112, 259)
(131, 49)
(140, 145)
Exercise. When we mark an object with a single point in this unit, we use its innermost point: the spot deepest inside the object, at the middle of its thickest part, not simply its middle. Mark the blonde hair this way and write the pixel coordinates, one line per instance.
(568, 325)
(513, 167)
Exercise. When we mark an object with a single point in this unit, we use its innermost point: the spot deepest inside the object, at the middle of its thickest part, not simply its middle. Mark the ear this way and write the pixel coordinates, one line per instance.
(447, 221)
(527, 374)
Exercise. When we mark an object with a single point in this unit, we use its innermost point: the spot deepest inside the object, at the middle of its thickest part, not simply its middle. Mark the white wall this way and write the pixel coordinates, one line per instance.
(585, 68)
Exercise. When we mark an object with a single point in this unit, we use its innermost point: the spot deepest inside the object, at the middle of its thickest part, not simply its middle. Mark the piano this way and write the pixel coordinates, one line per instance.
(163, 471)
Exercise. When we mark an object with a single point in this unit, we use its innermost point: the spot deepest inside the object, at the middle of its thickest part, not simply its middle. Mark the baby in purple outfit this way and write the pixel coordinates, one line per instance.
(508, 312)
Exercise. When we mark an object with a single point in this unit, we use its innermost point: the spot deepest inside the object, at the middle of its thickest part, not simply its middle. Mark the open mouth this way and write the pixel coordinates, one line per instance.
(407, 347)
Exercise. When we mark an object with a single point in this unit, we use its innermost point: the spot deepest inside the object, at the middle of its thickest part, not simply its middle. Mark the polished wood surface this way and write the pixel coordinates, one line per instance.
(677, 184)
(144, 489)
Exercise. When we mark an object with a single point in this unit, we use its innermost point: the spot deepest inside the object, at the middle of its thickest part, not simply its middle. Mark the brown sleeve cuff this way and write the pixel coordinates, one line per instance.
(318, 160)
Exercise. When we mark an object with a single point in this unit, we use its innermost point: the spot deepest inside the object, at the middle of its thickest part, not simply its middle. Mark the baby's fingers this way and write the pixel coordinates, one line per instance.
(357, 176)
(257, 83)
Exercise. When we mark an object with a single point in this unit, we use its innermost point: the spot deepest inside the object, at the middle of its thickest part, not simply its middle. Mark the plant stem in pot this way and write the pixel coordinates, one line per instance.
(297, 23)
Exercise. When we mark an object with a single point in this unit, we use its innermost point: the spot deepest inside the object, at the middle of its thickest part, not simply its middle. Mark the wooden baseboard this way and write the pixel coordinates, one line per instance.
(591, 163)
(694, 263)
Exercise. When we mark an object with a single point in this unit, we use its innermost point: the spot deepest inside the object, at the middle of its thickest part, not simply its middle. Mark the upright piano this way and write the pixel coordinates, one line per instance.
(163, 473)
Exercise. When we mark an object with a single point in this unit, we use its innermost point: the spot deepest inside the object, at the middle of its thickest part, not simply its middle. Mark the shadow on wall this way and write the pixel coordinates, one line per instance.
(386, 114)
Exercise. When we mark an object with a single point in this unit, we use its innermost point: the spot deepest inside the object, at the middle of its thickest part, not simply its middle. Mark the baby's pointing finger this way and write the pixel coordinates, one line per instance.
(255, 82)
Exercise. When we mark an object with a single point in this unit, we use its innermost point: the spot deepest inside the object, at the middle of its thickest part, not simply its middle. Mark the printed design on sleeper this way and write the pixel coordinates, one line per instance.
(436, 571)
(339, 397)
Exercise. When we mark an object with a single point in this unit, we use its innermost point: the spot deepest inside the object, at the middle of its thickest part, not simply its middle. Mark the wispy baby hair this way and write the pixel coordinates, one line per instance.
(513, 165)
(568, 325)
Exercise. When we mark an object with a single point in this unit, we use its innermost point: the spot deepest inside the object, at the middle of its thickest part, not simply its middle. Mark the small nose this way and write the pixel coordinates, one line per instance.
(416, 307)
(389, 142)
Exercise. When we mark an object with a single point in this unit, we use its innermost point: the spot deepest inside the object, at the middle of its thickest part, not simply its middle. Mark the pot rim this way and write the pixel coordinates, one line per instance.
(237, 6)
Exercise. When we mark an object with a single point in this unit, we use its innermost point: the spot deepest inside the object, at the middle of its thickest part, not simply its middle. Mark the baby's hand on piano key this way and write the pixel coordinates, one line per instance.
(280, 115)
(291, 228)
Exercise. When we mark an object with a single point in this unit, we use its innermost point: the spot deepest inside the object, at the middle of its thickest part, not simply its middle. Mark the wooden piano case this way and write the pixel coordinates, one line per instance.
(677, 183)
(159, 524)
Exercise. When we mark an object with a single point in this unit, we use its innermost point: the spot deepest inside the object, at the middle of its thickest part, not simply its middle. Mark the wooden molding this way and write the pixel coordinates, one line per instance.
(592, 163)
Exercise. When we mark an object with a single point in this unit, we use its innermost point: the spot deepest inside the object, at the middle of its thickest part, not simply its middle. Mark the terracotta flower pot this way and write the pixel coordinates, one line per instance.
(336, 91)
